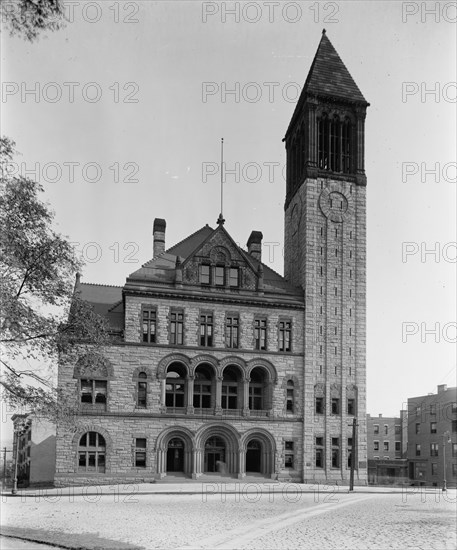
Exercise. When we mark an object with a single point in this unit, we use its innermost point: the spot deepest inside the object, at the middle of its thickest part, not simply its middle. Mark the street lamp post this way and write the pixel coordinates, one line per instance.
(448, 435)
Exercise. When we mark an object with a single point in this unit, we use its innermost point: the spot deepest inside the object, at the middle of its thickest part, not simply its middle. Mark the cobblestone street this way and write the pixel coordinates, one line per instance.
(250, 518)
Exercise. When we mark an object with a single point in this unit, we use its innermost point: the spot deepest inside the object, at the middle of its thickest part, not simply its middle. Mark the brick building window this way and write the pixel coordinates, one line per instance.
(206, 330)
(91, 453)
(351, 407)
(177, 327)
(260, 333)
(289, 454)
(285, 335)
(376, 429)
(397, 446)
(319, 405)
(142, 390)
(232, 329)
(386, 429)
(418, 428)
(418, 449)
(432, 409)
(397, 429)
(386, 445)
(433, 449)
(335, 405)
(319, 452)
(140, 452)
(335, 452)
(434, 469)
(94, 392)
(375, 445)
(433, 427)
(149, 325)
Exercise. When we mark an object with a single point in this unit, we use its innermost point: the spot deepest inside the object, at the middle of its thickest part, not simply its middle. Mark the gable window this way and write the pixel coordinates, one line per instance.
(94, 392)
(140, 452)
(319, 452)
(290, 396)
(206, 330)
(232, 327)
(260, 333)
(289, 454)
(149, 325)
(285, 331)
(205, 274)
(142, 390)
(219, 275)
(91, 453)
(177, 327)
(234, 277)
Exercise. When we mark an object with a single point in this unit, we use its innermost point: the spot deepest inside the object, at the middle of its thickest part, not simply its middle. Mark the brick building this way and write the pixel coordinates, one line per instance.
(432, 437)
(35, 442)
(221, 366)
(387, 442)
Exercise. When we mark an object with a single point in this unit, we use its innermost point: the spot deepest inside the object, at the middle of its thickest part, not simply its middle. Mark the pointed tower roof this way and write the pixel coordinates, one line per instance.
(329, 76)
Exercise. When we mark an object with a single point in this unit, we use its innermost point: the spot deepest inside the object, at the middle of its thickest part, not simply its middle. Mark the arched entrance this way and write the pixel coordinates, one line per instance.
(175, 455)
(254, 456)
(214, 460)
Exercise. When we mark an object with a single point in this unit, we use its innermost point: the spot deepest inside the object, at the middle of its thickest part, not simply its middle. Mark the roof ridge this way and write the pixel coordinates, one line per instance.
(100, 284)
(188, 237)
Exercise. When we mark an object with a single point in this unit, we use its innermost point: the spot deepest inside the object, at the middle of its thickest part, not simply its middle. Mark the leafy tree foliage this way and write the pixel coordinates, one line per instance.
(29, 18)
(41, 317)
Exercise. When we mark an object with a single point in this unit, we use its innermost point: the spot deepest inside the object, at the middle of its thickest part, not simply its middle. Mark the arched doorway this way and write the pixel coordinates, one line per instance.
(175, 455)
(214, 460)
(254, 456)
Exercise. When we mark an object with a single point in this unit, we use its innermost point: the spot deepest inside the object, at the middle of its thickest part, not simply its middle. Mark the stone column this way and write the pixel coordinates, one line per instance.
(190, 395)
(241, 462)
(245, 404)
(218, 404)
(163, 407)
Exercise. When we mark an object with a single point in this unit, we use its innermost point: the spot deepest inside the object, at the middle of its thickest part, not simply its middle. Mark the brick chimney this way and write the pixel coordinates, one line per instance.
(254, 245)
(158, 233)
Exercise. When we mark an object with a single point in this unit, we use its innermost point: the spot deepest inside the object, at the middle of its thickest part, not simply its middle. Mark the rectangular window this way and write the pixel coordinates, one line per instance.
(386, 445)
(433, 409)
(386, 429)
(454, 408)
(454, 470)
(349, 455)
(219, 275)
(140, 453)
(205, 274)
(142, 395)
(319, 405)
(234, 277)
(397, 446)
(232, 327)
(206, 330)
(94, 392)
(433, 427)
(177, 327)
(375, 445)
(285, 332)
(418, 428)
(335, 405)
(397, 429)
(418, 449)
(433, 449)
(351, 407)
(319, 452)
(335, 452)
(149, 325)
(376, 429)
(454, 426)
(289, 454)
(434, 469)
(260, 333)
(418, 410)
(454, 450)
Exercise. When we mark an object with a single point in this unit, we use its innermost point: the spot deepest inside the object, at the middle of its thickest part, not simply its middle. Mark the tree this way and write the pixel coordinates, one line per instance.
(29, 18)
(41, 317)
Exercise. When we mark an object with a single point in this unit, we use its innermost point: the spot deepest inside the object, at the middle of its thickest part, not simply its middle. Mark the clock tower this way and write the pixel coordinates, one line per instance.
(325, 254)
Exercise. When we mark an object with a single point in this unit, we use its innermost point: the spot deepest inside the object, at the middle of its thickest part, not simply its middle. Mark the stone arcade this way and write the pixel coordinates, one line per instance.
(222, 367)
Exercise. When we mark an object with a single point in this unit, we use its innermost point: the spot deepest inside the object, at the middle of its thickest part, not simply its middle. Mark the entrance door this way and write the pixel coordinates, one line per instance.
(253, 454)
(215, 455)
(175, 456)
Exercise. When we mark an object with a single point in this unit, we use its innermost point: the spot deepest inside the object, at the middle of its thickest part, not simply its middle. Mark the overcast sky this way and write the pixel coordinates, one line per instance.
(148, 103)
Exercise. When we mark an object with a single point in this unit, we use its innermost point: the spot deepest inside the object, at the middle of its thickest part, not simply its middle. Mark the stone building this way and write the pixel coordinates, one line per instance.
(387, 441)
(220, 365)
(432, 438)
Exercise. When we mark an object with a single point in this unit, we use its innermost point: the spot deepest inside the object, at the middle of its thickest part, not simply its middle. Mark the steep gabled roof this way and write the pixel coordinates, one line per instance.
(105, 300)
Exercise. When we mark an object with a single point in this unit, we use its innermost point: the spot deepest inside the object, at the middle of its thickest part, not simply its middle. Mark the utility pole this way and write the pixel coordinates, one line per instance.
(353, 453)
(16, 460)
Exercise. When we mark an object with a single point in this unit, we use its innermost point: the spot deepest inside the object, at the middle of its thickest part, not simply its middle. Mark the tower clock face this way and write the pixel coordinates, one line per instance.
(336, 204)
